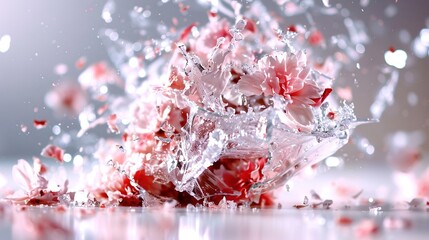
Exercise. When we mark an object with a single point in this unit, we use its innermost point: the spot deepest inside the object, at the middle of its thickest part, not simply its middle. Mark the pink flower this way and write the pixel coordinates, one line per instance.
(67, 97)
(106, 182)
(285, 74)
(52, 151)
(108, 185)
(26, 178)
(34, 187)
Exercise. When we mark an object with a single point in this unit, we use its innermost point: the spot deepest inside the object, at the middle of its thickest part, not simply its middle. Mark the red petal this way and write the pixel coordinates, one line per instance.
(319, 101)
(186, 31)
(292, 28)
(39, 124)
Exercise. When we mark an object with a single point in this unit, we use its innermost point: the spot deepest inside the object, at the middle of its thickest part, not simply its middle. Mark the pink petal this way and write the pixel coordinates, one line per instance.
(301, 114)
(186, 31)
(52, 151)
(250, 84)
(23, 174)
(306, 94)
(38, 166)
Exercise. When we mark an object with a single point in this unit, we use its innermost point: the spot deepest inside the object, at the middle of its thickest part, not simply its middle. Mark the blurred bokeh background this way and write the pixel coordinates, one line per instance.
(38, 36)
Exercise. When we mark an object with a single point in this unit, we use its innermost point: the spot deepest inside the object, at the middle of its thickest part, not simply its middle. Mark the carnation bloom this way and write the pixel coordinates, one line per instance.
(108, 184)
(207, 129)
(285, 74)
(34, 187)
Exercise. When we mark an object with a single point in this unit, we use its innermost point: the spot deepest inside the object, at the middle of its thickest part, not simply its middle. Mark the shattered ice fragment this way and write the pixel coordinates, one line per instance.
(305, 202)
(385, 95)
(357, 31)
(327, 203)
(315, 196)
(357, 194)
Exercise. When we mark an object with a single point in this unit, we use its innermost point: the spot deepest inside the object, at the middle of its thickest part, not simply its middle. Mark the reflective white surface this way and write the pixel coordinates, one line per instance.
(139, 223)
(17, 222)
